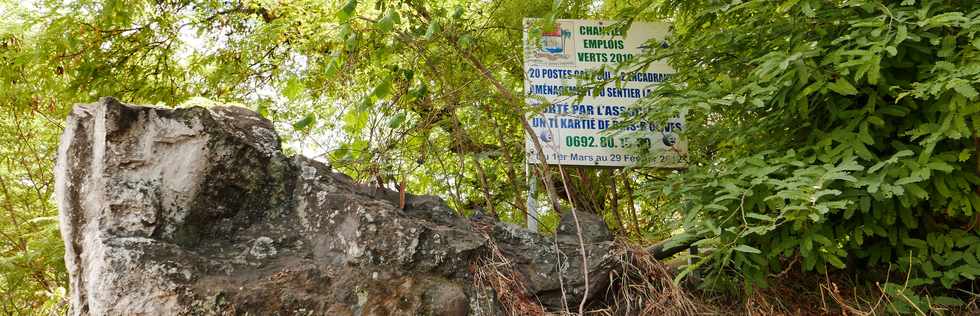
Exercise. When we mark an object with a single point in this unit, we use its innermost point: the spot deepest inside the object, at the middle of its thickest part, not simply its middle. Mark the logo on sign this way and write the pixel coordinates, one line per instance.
(546, 136)
(669, 139)
(556, 45)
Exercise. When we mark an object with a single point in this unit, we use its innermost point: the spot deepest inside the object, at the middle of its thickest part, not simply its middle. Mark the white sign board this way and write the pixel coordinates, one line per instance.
(577, 132)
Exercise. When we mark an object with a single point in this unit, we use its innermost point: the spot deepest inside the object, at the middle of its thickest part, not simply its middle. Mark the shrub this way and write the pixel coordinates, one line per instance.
(841, 132)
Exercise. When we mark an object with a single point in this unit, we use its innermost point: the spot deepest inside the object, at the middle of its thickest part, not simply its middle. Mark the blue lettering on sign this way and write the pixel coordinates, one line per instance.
(547, 89)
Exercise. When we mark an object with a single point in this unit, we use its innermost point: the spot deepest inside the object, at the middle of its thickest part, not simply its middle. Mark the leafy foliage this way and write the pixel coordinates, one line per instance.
(841, 133)
(833, 134)
(376, 87)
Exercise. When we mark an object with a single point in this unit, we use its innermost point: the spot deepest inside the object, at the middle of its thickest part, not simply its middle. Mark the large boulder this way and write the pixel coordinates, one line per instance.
(198, 212)
(553, 265)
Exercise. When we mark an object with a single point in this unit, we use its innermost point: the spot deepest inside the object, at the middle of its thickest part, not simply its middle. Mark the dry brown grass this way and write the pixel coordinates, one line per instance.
(496, 272)
(644, 286)
(641, 285)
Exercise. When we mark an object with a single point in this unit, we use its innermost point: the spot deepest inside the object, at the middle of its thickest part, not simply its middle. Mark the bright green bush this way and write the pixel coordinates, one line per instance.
(841, 132)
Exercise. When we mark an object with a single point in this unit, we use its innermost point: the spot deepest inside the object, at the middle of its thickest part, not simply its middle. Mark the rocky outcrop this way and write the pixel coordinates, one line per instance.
(198, 212)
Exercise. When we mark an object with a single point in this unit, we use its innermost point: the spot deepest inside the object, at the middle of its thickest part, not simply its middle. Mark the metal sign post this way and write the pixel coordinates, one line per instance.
(532, 202)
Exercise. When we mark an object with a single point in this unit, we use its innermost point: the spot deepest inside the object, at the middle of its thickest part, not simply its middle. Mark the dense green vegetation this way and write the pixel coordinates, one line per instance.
(841, 135)
(826, 136)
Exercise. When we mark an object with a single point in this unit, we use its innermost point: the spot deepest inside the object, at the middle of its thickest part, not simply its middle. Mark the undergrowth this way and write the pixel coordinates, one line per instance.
(643, 285)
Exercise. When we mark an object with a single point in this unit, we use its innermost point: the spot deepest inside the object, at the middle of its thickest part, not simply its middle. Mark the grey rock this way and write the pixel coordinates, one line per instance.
(198, 212)
(551, 265)
(594, 230)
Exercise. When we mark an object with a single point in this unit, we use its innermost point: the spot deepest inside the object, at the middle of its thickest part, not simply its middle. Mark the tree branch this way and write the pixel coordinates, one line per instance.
(543, 167)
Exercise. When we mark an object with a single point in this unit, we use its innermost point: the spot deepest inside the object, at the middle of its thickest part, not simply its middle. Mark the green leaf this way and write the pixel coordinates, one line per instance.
(458, 12)
(964, 155)
(746, 249)
(387, 23)
(465, 41)
(396, 120)
(347, 11)
(894, 110)
(865, 204)
(947, 301)
(940, 166)
(916, 191)
(823, 240)
(966, 90)
(787, 5)
(905, 214)
(915, 243)
(760, 217)
(843, 87)
(433, 29)
(891, 51)
(903, 154)
(262, 107)
(683, 273)
(874, 71)
(333, 67)
(902, 33)
(877, 121)
(864, 134)
(352, 42)
(293, 89)
(418, 93)
(835, 261)
(382, 89)
(354, 121)
(941, 187)
(367, 103)
(305, 122)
